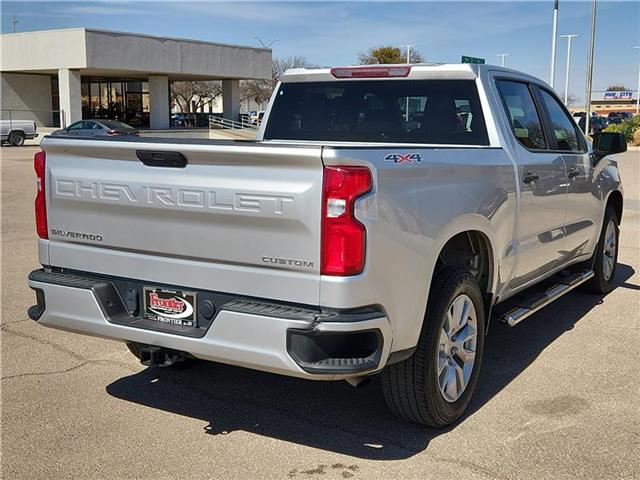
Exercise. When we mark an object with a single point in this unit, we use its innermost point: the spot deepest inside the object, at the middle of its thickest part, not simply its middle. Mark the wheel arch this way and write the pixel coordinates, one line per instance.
(616, 201)
(473, 228)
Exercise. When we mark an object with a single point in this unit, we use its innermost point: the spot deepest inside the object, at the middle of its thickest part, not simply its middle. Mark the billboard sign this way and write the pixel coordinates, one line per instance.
(623, 95)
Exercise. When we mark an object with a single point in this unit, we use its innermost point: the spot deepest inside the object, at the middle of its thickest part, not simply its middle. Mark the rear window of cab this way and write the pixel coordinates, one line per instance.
(387, 111)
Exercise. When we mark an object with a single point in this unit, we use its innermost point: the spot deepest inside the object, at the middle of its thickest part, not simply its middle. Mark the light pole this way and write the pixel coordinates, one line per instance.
(406, 107)
(638, 91)
(592, 42)
(502, 55)
(566, 77)
(554, 40)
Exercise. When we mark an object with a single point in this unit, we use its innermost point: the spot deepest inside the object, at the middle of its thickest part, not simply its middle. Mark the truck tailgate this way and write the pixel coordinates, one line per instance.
(240, 217)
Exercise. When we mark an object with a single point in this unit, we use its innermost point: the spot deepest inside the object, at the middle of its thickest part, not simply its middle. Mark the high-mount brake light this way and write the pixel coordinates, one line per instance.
(343, 248)
(39, 165)
(371, 72)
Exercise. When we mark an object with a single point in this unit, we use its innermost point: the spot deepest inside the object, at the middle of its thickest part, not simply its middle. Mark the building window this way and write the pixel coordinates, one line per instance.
(126, 100)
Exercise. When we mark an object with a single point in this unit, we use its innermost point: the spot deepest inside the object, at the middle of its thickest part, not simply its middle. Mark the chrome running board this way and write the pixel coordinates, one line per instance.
(531, 305)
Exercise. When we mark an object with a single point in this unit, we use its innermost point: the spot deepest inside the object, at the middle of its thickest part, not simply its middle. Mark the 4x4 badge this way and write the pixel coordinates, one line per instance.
(403, 158)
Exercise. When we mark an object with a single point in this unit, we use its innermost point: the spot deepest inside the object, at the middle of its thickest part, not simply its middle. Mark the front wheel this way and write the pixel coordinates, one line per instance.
(605, 258)
(434, 386)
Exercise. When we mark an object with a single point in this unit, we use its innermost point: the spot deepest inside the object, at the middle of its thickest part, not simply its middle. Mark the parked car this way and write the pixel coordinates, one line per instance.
(618, 117)
(344, 242)
(96, 128)
(15, 132)
(178, 120)
(256, 117)
(596, 124)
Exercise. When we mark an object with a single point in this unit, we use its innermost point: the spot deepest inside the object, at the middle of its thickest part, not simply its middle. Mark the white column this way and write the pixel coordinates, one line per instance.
(70, 99)
(231, 99)
(158, 101)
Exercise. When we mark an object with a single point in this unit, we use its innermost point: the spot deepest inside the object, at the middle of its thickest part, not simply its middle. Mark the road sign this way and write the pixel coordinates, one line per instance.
(466, 59)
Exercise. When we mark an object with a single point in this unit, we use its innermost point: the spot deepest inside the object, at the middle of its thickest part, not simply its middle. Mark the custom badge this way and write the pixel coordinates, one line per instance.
(398, 158)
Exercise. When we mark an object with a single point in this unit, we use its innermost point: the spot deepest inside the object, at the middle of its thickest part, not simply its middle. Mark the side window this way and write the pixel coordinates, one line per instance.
(76, 126)
(522, 113)
(564, 128)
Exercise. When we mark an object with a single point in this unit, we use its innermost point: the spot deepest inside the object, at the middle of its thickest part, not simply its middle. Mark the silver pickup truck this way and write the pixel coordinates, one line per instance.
(15, 132)
(382, 217)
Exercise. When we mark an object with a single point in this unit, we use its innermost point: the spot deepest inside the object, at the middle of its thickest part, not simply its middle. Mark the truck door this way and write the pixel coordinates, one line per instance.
(543, 185)
(583, 208)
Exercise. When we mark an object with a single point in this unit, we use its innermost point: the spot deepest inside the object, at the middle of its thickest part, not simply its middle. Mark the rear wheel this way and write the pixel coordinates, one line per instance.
(605, 258)
(435, 385)
(16, 139)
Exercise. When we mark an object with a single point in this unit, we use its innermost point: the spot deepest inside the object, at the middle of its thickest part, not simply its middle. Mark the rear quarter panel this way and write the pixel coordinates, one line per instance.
(413, 210)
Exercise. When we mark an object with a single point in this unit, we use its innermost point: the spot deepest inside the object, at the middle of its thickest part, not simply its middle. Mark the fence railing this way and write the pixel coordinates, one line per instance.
(219, 122)
(42, 118)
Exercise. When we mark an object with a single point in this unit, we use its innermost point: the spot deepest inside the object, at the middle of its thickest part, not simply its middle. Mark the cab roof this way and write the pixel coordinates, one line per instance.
(416, 71)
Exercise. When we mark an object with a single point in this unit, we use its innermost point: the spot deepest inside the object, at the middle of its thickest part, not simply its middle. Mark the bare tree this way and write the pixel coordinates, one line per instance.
(388, 54)
(571, 100)
(260, 90)
(194, 93)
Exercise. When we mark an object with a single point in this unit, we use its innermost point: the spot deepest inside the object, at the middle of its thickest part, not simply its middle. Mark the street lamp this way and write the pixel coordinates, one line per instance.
(554, 39)
(502, 55)
(566, 77)
(592, 42)
(638, 91)
(406, 107)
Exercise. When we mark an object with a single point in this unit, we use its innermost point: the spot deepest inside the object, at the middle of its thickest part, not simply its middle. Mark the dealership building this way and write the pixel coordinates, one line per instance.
(57, 77)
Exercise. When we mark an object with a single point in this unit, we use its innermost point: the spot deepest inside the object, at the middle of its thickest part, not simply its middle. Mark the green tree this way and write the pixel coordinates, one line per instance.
(388, 54)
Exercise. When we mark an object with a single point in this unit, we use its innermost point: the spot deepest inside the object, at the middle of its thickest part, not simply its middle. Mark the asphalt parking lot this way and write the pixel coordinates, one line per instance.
(557, 397)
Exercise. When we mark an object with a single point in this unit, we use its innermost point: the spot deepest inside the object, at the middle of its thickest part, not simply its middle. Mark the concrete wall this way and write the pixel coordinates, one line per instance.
(27, 96)
(45, 50)
(125, 51)
(103, 52)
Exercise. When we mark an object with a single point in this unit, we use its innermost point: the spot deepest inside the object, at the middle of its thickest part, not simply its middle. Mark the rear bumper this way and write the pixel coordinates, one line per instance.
(289, 340)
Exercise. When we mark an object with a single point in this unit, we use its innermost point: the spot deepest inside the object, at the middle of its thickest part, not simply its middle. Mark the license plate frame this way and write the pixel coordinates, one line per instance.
(162, 305)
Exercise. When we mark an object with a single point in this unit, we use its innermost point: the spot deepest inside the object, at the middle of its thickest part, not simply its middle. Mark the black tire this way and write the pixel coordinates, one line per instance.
(16, 139)
(411, 387)
(185, 362)
(600, 284)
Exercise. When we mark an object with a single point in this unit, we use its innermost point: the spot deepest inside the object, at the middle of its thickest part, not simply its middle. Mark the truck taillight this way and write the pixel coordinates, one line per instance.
(343, 236)
(39, 165)
(395, 71)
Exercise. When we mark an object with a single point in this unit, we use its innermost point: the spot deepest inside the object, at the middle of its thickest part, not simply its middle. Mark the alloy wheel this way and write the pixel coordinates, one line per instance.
(609, 254)
(457, 348)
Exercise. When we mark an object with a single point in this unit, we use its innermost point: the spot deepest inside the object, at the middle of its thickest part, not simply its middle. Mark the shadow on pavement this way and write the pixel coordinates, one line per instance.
(332, 415)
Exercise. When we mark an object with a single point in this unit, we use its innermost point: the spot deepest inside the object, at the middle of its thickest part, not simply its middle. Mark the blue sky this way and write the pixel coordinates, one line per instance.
(332, 33)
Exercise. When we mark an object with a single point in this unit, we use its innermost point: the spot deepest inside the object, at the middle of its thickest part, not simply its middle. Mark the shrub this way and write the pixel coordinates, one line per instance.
(629, 127)
(636, 138)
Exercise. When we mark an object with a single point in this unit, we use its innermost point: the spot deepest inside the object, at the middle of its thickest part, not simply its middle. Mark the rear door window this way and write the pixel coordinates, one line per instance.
(523, 115)
(564, 128)
(394, 111)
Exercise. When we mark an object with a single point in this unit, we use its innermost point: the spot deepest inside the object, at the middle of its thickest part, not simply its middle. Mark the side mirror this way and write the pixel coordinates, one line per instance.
(609, 143)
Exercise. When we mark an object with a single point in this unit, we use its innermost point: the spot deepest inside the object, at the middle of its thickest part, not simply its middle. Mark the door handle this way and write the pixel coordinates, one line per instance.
(162, 159)
(530, 177)
(572, 172)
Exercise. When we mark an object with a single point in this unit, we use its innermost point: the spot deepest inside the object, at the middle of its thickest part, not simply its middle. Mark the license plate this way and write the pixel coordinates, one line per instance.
(173, 307)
